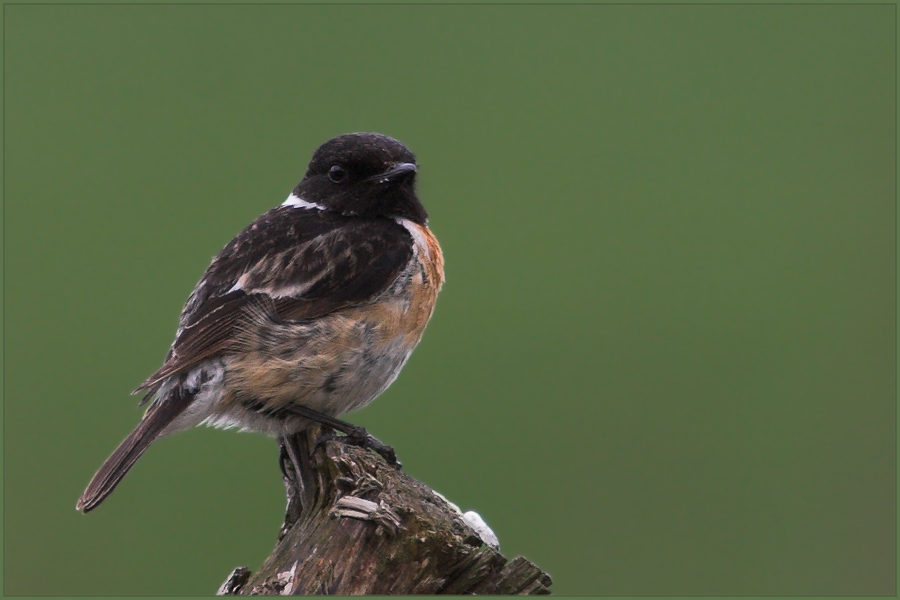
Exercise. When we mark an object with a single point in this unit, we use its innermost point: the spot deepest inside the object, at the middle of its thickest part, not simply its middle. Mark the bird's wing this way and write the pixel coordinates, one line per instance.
(290, 264)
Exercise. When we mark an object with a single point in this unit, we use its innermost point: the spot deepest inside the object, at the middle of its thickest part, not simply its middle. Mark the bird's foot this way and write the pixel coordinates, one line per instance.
(358, 436)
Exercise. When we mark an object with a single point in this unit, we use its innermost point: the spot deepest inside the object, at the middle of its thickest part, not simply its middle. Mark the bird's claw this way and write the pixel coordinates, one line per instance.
(362, 439)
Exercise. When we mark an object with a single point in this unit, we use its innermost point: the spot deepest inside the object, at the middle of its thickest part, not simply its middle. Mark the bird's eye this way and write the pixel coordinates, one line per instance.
(337, 173)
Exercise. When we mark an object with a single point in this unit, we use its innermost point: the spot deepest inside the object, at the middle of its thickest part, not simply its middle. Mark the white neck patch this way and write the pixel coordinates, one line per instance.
(419, 242)
(298, 202)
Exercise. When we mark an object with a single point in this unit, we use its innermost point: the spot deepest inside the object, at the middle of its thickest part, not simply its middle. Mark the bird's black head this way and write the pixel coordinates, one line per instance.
(364, 174)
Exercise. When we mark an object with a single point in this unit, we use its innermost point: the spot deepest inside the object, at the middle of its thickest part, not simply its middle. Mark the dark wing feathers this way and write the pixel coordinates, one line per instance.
(291, 263)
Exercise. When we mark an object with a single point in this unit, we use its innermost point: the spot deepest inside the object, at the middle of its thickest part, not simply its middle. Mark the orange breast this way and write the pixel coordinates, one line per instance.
(430, 254)
(341, 361)
(428, 282)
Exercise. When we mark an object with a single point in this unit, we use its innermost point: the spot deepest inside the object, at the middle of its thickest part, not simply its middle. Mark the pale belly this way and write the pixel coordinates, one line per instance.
(341, 364)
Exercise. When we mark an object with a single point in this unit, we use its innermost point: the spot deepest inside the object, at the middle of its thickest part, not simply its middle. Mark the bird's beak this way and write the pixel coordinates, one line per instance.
(398, 171)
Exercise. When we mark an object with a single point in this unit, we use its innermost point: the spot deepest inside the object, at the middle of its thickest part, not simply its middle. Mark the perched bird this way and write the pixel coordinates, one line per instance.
(309, 313)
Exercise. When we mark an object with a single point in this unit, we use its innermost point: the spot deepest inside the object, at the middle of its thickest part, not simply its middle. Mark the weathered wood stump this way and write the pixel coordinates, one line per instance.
(356, 525)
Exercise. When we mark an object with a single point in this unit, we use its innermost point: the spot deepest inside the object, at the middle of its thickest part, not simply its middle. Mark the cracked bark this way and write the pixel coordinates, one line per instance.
(355, 525)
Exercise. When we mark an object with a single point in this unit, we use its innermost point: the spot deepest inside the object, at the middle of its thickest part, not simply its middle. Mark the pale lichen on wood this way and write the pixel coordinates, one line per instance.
(355, 525)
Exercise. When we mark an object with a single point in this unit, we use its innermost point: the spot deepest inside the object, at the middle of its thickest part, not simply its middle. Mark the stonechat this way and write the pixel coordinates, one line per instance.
(308, 313)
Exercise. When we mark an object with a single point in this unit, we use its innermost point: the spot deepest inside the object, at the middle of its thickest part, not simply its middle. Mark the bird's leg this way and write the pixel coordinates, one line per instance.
(299, 490)
(353, 434)
(283, 456)
(289, 451)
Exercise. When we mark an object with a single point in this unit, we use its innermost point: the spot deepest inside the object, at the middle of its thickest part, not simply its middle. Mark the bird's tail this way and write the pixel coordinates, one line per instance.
(158, 416)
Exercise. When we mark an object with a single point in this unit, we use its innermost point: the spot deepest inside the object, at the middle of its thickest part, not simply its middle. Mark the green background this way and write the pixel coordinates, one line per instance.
(663, 361)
